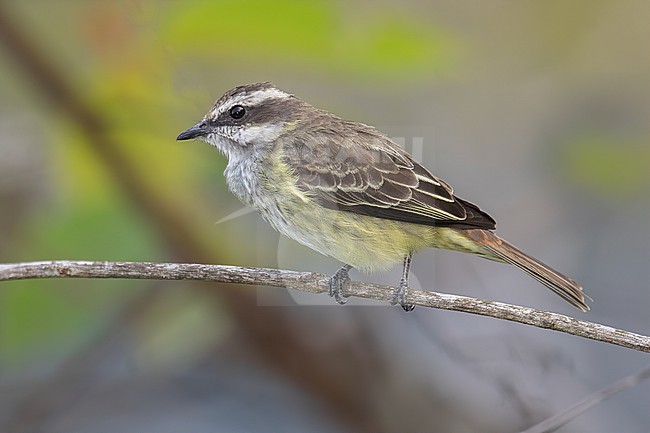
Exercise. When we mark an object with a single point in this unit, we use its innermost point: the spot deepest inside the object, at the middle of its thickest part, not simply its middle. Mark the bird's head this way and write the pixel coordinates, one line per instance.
(248, 119)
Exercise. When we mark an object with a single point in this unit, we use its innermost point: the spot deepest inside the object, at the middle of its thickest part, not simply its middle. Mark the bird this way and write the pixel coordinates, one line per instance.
(346, 190)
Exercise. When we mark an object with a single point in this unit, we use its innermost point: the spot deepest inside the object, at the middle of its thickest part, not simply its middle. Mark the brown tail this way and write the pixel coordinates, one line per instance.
(568, 289)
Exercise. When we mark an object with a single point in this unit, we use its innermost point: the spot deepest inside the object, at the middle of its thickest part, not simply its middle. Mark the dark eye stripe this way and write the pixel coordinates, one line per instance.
(271, 110)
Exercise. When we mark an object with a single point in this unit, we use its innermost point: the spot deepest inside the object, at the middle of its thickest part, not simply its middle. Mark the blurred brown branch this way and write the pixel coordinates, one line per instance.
(317, 283)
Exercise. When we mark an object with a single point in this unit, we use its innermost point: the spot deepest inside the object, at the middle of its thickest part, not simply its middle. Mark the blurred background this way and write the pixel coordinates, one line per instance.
(537, 111)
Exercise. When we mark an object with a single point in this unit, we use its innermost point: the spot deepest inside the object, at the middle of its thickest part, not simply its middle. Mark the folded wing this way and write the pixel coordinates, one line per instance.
(351, 167)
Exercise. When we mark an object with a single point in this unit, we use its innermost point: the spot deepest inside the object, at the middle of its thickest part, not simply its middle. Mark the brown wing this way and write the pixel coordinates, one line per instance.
(351, 167)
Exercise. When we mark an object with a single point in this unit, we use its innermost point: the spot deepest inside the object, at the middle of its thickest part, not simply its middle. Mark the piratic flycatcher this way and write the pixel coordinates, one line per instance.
(347, 191)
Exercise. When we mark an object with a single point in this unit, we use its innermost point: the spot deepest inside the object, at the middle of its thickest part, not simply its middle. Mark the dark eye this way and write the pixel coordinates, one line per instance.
(237, 112)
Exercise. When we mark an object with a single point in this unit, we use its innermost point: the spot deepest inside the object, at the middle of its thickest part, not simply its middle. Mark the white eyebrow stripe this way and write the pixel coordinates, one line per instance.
(251, 99)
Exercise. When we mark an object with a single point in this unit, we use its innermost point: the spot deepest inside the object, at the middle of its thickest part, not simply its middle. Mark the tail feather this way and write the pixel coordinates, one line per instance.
(502, 250)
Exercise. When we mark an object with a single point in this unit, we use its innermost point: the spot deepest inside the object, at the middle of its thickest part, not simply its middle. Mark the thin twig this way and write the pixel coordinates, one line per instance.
(317, 283)
(555, 422)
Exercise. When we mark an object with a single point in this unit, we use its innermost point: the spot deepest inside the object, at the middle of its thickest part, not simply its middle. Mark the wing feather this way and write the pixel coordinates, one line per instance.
(352, 167)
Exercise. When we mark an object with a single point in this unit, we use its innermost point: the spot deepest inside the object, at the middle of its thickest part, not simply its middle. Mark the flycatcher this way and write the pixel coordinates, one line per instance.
(347, 191)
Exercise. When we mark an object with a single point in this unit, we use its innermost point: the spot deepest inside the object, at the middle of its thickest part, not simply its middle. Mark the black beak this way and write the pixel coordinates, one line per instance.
(197, 130)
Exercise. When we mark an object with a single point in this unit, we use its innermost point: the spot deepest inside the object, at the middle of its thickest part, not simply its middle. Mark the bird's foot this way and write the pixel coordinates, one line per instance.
(398, 297)
(337, 282)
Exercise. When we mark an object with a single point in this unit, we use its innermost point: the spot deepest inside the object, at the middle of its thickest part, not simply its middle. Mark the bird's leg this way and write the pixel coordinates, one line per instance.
(399, 294)
(336, 283)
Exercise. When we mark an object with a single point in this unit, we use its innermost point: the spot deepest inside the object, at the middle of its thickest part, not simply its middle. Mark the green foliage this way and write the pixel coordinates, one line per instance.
(379, 43)
(608, 166)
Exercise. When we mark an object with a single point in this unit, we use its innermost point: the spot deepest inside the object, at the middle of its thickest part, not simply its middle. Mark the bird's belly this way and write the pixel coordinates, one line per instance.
(366, 243)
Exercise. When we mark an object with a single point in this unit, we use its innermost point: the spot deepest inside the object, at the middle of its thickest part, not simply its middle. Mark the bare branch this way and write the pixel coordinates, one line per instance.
(555, 422)
(317, 283)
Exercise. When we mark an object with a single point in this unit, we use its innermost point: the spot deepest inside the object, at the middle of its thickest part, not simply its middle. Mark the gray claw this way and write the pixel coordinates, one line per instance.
(337, 283)
(398, 297)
